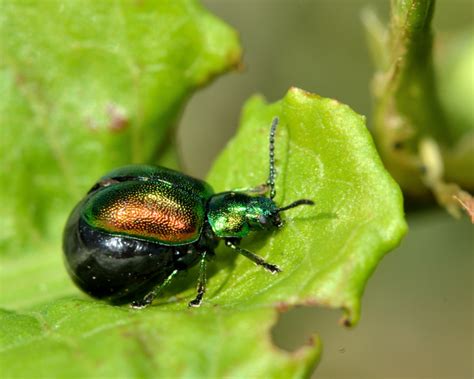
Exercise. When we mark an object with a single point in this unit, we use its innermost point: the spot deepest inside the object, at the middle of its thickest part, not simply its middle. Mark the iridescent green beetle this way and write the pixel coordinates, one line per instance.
(139, 225)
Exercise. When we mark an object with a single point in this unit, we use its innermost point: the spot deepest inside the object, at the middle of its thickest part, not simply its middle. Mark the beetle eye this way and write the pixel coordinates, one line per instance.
(262, 219)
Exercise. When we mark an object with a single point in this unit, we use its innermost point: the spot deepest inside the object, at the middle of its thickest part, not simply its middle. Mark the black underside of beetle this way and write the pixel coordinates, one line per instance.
(121, 268)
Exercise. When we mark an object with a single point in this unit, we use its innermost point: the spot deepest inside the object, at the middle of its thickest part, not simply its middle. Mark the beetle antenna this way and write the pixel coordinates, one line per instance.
(295, 204)
(272, 173)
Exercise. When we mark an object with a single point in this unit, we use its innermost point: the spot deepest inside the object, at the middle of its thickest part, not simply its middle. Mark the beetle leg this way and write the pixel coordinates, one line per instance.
(201, 287)
(148, 298)
(253, 257)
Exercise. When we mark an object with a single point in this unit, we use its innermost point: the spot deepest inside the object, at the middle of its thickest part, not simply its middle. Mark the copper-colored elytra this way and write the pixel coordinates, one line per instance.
(152, 216)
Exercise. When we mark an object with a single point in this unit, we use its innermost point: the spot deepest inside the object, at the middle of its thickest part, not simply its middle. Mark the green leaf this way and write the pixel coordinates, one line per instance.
(86, 338)
(327, 252)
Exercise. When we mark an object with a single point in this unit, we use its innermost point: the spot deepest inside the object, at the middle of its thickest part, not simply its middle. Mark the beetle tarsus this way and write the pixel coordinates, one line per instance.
(273, 269)
(196, 303)
(145, 302)
(140, 304)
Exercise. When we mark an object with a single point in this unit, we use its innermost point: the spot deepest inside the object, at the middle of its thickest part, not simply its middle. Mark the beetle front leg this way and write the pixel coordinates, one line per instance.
(201, 287)
(233, 244)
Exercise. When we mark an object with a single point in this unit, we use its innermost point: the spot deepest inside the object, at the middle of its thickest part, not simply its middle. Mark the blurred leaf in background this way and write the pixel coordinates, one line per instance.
(426, 142)
(89, 86)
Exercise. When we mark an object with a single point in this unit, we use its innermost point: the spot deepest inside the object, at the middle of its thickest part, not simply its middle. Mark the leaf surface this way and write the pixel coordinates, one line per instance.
(74, 337)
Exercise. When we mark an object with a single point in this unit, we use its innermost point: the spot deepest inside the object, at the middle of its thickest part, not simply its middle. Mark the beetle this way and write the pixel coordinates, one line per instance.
(140, 225)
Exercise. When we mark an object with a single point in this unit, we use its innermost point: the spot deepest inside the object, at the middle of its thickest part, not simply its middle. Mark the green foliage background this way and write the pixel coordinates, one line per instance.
(137, 82)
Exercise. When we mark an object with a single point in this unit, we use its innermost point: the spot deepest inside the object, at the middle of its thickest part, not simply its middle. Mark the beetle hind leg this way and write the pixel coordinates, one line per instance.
(150, 296)
(201, 287)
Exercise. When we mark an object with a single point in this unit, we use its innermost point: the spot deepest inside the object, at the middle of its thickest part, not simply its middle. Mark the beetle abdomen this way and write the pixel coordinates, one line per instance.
(115, 267)
(147, 209)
